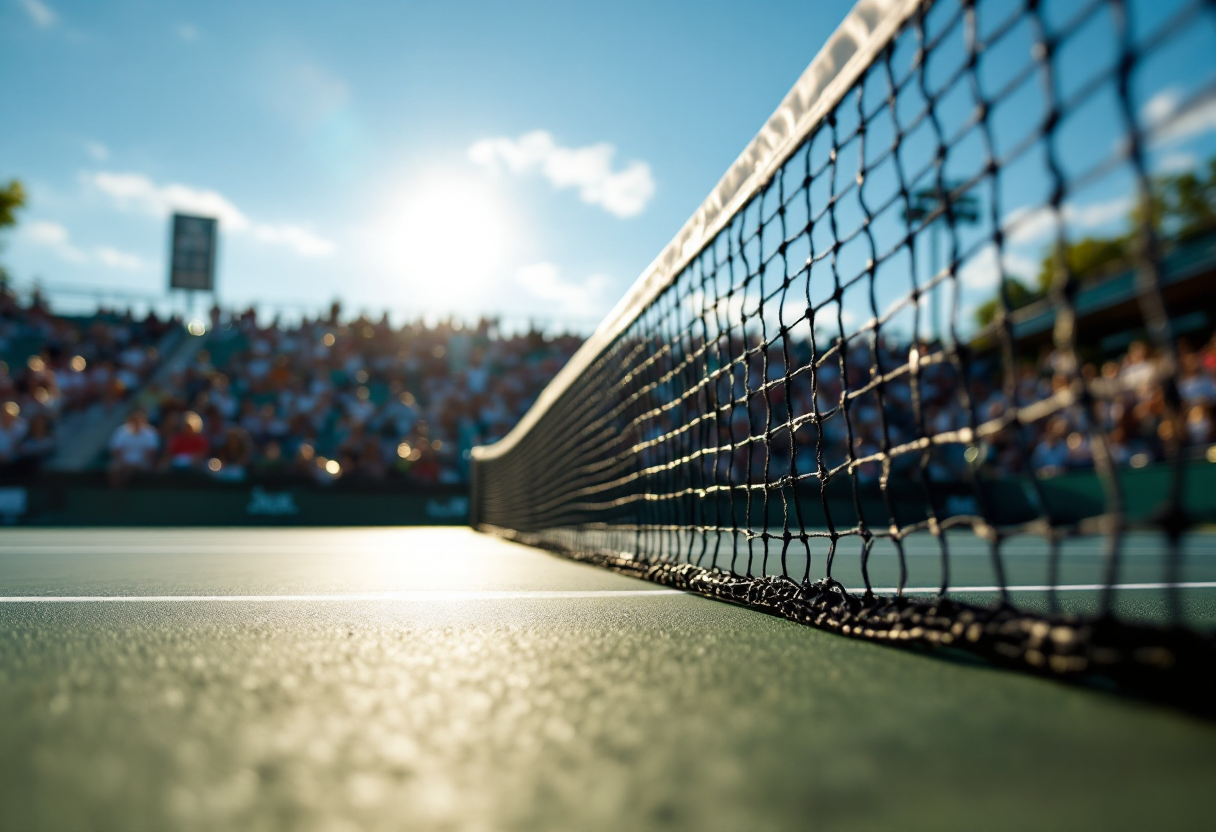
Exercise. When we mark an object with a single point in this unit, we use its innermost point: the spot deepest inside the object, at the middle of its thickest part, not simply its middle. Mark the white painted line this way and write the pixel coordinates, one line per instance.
(437, 595)
(509, 595)
(914, 547)
(182, 548)
(933, 590)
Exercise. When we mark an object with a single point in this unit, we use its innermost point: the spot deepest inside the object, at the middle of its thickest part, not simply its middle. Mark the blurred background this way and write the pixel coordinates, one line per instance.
(423, 209)
(535, 155)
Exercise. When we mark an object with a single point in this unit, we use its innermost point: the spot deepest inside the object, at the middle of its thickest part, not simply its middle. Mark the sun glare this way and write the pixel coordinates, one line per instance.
(445, 236)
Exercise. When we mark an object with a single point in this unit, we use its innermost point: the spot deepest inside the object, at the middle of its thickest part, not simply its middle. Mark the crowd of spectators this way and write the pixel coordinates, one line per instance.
(54, 365)
(1126, 408)
(1130, 411)
(327, 400)
(867, 409)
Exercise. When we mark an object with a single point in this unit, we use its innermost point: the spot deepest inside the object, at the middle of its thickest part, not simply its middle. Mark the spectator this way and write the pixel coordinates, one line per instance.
(372, 464)
(232, 459)
(222, 398)
(170, 424)
(1199, 424)
(426, 469)
(39, 442)
(271, 463)
(1196, 386)
(1079, 453)
(1050, 456)
(188, 447)
(132, 448)
(1138, 372)
(12, 431)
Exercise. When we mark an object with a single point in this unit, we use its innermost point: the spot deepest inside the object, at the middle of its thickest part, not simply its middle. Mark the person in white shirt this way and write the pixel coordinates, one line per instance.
(12, 430)
(1138, 372)
(133, 448)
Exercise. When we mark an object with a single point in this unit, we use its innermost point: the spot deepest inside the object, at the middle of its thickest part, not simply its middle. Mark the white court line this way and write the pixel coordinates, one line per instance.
(506, 595)
(177, 548)
(921, 549)
(437, 595)
(933, 590)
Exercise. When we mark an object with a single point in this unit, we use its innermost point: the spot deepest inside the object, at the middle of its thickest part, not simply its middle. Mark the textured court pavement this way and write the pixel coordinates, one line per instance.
(503, 688)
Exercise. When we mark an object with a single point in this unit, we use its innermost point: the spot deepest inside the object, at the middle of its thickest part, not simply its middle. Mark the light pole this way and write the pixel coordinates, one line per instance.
(931, 202)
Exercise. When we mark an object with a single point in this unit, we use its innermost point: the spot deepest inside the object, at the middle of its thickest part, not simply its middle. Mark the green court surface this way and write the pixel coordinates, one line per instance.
(360, 679)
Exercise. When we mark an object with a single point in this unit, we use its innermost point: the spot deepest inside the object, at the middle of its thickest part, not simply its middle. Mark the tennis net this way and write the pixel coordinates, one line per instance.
(929, 357)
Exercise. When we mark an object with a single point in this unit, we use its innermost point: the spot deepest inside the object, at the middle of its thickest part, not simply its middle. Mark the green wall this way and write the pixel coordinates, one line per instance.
(85, 500)
(250, 505)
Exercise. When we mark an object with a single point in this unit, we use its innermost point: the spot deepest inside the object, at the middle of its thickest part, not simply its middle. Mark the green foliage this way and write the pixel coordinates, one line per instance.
(12, 198)
(1086, 258)
(1188, 203)
(1181, 207)
(1017, 295)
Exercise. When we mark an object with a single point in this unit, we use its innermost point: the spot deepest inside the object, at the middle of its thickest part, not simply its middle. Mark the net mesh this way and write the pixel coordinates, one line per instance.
(921, 384)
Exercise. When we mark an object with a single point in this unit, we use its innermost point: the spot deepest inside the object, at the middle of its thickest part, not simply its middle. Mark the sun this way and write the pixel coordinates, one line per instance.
(447, 237)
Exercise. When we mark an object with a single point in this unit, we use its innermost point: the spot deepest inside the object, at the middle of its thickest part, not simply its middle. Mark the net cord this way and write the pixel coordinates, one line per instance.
(868, 29)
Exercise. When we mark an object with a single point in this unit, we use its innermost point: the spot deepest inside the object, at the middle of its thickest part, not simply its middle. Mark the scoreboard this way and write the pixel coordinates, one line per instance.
(192, 260)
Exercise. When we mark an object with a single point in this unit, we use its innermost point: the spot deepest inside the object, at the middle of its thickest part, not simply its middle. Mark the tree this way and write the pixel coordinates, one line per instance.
(12, 198)
(1181, 207)
(1017, 294)
(1188, 203)
(1086, 258)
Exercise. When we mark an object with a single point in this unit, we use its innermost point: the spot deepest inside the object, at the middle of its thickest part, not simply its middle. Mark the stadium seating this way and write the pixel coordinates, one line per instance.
(327, 400)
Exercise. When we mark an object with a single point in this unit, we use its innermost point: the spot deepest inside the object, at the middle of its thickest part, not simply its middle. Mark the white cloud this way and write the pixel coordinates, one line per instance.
(1029, 226)
(54, 236)
(118, 259)
(39, 12)
(1161, 106)
(623, 193)
(544, 282)
(1170, 121)
(97, 150)
(982, 272)
(302, 240)
(137, 192)
(188, 32)
(46, 233)
(1098, 213)
(134, 191)
(1176, 162)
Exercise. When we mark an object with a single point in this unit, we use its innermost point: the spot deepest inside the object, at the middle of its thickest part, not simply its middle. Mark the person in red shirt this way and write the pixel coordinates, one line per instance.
(426, 469)
(188, 448)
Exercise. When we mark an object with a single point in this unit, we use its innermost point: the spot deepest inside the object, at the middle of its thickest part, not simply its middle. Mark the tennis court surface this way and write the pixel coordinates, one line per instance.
(928, 336)
(441, 679)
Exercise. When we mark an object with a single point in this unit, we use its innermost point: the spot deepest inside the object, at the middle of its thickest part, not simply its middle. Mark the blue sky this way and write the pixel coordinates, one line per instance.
(466, 157)
(522, 159)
